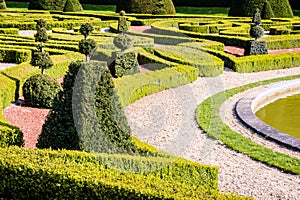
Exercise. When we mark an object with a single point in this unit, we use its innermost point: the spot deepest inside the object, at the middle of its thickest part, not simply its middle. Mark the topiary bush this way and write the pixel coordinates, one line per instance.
(2, 5)
(267, 12)
(87, 115)
(86, 29)
(60, 5)
(256, 31)
(246, 8)
(87, 47)
(146, 6)
(123, 41)
(40, 91)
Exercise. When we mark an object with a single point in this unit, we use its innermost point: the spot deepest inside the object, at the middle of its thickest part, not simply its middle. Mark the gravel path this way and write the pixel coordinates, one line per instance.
(166, 120)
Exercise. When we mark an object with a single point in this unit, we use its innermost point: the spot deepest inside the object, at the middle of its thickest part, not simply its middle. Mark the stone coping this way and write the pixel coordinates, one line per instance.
(248, 105)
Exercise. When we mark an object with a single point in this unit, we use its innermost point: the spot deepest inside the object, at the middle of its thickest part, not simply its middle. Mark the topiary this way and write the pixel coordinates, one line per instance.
(87, 115)
(245, 8)
(2, 5)
(41, 35)
(86, 29)
(256, 18)
(60, 5)
(41, 60)
(122, 23)
(146, 6)
(123, 41)
(267, 12)
(256, 31)
(40, 91)
(87, 47)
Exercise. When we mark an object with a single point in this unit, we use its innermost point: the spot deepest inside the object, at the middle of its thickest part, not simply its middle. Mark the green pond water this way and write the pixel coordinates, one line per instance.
(283, 114)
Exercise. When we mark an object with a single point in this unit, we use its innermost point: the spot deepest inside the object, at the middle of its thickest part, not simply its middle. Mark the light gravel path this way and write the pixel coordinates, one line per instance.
(6, 65)
(166, 120)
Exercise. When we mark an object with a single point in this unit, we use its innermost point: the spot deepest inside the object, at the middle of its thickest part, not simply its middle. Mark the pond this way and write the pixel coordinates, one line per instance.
(283, 114)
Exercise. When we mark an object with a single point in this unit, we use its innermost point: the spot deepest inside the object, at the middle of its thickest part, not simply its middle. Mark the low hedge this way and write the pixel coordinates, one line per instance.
(14, 55)
(209, 120)
(9, 31)
(36, 174)
(134, 87)
(207, 64)
(248, 64)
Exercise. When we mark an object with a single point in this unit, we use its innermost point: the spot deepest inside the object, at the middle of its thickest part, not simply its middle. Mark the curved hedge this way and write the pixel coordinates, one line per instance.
(246, 8)
(61, 5)
(145, 6)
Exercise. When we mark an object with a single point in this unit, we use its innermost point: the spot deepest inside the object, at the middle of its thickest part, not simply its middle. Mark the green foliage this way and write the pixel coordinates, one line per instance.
(60, 5)
(14, 55)
(10, 31)
(41, 60)
(210, 121)
(208, 65)
(86, 29)
(41, 23)
(40, 91)
(146, 6)
(122, 24)
(123, 41)
(256, 18)
(256, 31)
(87, 47)
(134, 87)
(47, 174)
(246, 8)
(267, 12)
(41, 35)
(256, 48)
(125, 63)
(2, 5)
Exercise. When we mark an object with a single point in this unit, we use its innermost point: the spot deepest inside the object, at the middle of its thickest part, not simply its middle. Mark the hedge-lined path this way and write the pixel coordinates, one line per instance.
(166, 120)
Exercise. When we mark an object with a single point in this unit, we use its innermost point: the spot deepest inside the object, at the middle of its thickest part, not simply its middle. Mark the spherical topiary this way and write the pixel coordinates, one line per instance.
(41, 23)
(41, 35)
(61, 5)
(256, 31)
(87, 47)
(122, 13)
(86, 29)
(41, 60)
(267, 12)
(2, 5)
(246, 8)
(40, 91)
(146, 6)
(123, 41)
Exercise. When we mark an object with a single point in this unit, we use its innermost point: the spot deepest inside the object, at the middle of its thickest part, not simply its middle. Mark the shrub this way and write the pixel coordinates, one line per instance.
(146, 6)
(87, 47)
(86, 29)
(123, 41)
(122, 23)
(255, 48)
(2, 5)
(256, 31)
(42, 60)
(60, 5)
(10, 31)
(125, 63)
(40, 91)
(267, 12)
(246, 8)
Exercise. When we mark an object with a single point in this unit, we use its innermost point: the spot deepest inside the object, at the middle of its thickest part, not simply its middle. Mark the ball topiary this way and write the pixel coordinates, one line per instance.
(256, 31)
(146, 6)
(123, 41)
(40, 91)
(2, 5)
(246, 8)
(60, 5)
(86, 29)
(87, 47)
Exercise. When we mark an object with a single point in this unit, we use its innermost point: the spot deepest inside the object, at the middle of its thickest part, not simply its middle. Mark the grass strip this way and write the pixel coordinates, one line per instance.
(209, 120)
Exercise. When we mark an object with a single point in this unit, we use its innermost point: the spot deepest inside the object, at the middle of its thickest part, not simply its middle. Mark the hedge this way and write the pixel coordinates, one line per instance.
(11, 31)
(134, 87)
(14, 55)
(207, 64)
(36, 174)
(248, 64)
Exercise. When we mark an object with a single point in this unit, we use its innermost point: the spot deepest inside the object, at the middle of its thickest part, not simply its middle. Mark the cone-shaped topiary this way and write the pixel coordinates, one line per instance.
(61, 5)
(267, 12)
(246, 8)
(146, 6)
(2, 5)
(40, 91)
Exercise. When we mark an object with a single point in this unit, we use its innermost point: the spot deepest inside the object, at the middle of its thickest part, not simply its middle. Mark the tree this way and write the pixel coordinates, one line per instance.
(87, 46)
(41, 58)
(86, 29)
(2, 5)
(146, 6)
(245, 8)
(60, 5)
(122, 23)
(267, 12)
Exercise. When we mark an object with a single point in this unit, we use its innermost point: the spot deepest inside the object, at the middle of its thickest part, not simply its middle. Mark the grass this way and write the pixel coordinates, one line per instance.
(209, 120)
